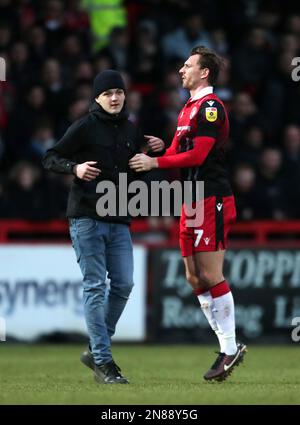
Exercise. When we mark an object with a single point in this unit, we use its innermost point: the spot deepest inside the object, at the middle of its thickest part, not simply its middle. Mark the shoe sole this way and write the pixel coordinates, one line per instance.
(227, 373)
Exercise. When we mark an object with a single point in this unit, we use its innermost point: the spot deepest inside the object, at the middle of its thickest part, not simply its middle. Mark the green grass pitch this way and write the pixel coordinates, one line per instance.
(162, 375)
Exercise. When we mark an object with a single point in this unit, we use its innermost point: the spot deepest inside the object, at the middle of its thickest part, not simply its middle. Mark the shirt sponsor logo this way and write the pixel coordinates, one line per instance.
(183, 127)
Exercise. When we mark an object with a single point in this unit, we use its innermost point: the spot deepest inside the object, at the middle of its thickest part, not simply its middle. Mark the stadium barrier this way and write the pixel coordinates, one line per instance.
(41, 294)
(266, 287)
(255, 233)
(40, 283)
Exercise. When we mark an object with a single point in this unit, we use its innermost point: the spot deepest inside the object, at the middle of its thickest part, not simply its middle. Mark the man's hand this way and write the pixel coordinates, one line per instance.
(86, 171)
(141, 162)
(155, 144)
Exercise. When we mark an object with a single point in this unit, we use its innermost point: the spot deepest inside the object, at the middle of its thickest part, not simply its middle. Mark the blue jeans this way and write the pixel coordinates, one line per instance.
(102, 247)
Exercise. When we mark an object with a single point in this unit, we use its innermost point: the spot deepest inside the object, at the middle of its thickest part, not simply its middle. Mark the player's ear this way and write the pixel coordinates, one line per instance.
(204, 73)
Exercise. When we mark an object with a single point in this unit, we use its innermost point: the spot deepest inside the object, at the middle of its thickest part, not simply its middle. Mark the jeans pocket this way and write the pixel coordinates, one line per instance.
(85, 225)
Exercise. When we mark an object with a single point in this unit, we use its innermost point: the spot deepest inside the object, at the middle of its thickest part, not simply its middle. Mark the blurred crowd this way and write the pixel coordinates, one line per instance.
(52, 53)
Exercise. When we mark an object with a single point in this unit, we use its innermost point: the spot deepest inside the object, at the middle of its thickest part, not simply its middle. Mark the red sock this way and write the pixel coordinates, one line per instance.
(219, 289)
(199, 291)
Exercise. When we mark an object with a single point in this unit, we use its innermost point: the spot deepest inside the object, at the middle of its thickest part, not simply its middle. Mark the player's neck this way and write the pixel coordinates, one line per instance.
(196, 90)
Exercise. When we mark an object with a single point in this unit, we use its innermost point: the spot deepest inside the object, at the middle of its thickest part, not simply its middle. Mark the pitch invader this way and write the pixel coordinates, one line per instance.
(198, 149)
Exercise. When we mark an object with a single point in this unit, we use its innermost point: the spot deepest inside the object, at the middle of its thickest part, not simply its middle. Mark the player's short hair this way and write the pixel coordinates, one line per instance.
(208, 58)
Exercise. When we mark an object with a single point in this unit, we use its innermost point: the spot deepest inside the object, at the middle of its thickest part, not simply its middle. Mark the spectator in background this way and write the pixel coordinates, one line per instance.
(242, 115)
(9, 13)
(57, 189)
(58, 96)
(291, 165)
(76, 110)
(42, 139)
(37, 42)
(134, 105)
(249, 149)
(243, 187)
(102, 62)
(24, 195)
(219, 41)
(83, 73)
(172, 81)
(26, 14)
(269, 18)
(104, 16)
(291, 146)
(145, 56)
(280, 103)
(172, 105)
(20, 67)
(270, 191)
(83, 92)
(117, 48)
(253, 61)
(22, 122)
(289, 43)
(71, 53)
(5, 36)
(76, 19)
(224, 86)
(293, 24)
(53, 22)
(179, 43)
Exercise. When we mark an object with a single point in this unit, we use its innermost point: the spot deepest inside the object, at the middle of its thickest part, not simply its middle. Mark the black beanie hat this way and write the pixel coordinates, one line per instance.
(105, 80)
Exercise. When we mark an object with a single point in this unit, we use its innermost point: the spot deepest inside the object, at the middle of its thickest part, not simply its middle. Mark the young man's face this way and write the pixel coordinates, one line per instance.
(191, 74)
(112, 100)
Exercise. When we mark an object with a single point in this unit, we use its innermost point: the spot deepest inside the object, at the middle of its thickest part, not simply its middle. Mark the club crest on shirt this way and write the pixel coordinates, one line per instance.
(193, 112)
(211, 114)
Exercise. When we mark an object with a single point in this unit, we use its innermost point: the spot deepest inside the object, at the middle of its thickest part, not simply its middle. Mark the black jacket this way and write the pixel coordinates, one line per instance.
(111, 140)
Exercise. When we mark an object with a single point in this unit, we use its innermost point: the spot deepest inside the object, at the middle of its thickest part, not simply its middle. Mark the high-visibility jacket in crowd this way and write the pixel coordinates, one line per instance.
(104, 15)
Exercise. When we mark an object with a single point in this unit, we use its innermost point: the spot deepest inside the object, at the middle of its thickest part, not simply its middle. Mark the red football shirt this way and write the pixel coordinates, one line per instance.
(198, 145)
